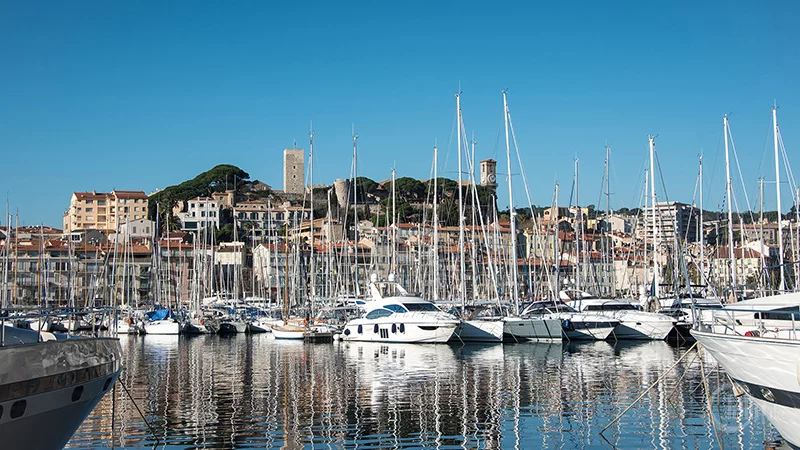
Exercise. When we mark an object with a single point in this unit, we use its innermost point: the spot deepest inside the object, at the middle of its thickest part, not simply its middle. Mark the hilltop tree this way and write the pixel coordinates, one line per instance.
(409, 189)
(204, 184)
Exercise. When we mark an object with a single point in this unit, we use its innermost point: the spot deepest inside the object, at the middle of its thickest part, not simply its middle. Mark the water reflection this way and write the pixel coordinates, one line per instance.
(216, 391)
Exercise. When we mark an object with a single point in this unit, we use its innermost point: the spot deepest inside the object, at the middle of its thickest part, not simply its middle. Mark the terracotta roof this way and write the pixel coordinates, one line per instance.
(130, 194)
(91, 195)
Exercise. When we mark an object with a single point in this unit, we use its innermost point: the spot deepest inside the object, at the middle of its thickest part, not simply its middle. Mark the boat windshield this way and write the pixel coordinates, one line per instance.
(612, 307)
(378, 313)
(421, 307)
(395, 308)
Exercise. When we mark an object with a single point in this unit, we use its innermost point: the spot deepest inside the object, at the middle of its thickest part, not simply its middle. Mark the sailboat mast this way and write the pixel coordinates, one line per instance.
(608, 241)
(761, 231)
(656, 277)
(778, 196)
(435, 223)
(511, 211)
(355, 209)
(578, 229)
(461, 265)
(730, 206)
(394, 224)
(702, 231)
(311, 193)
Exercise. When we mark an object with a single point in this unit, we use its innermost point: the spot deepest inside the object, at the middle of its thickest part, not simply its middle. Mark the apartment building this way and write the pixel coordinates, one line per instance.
(104, 211)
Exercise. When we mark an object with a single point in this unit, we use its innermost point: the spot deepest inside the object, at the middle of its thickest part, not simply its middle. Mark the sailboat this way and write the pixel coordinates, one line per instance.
(516, 327)
(633, 322)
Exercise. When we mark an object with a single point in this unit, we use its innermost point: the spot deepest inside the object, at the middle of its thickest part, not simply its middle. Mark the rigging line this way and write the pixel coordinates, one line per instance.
(713, 172)
(786, 165)
(525, 183)
(691, 211)
(449, 143)
(741, 177)
(766, 147)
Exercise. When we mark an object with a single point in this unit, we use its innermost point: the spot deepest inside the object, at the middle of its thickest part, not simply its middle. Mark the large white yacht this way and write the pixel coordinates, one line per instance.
(762, 359)
(633, 322)
(394, 315)
(49, 384)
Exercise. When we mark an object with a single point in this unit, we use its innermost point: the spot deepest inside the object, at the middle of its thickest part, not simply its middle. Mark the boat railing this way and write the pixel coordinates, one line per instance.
(757, 322)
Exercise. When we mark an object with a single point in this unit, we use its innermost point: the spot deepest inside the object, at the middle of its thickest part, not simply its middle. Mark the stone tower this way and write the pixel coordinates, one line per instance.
(343, 191)
(489, 173)
(293, 171)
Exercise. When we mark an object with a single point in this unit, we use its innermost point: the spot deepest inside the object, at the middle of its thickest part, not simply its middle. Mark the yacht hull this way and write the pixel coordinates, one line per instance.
(365, 330)
(479, 331)
(578, 330)
(232, 327)
(288, 332)
(767, 370)
(48, 388)
(51, 418)
(633, 329)
(164, 327)
(516, 329)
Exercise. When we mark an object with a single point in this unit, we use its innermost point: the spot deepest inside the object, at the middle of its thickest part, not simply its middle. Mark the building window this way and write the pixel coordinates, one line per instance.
(89, 209)
(101, 202)
(89, 202)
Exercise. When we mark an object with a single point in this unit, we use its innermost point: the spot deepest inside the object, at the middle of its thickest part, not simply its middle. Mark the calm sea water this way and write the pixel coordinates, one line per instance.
(255, 391)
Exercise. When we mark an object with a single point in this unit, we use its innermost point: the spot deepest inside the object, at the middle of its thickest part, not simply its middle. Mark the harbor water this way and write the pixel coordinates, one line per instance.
(254, 391)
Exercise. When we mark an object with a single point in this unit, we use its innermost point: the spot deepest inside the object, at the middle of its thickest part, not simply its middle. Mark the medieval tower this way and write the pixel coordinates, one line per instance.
(293, 171)
(489, 173)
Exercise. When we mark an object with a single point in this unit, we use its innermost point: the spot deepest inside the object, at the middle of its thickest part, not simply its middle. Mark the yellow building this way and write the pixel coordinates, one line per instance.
(104, 211)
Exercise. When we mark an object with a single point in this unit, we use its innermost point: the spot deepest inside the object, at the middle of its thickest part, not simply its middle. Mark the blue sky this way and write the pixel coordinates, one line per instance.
(142, 95)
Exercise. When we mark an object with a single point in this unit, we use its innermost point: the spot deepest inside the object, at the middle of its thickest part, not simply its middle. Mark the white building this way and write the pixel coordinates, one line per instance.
(672, 218)
(134, 229)
(201, 212)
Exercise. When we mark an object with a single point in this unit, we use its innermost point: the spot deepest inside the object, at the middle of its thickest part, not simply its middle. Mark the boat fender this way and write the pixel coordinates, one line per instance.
(753, 333)
(202, 321)
(360, 329)
(394, 328)
(128, 320)
(347, 331)
(402, 328)
(375, 328)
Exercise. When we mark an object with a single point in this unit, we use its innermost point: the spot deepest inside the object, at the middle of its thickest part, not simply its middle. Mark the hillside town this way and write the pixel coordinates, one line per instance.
(249, 240)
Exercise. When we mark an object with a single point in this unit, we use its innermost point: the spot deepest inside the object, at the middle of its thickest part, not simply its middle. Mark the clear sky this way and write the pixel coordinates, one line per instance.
(142, 95)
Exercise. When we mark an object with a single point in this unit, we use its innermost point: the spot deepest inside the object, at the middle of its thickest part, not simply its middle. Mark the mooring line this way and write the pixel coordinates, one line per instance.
(655, 383)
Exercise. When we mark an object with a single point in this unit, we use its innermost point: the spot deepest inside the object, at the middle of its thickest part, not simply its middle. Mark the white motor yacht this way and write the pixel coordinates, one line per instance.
(49, 384)
(394, 315)
(574, 324)
(633, 322)
(770, 312)
(761, 359)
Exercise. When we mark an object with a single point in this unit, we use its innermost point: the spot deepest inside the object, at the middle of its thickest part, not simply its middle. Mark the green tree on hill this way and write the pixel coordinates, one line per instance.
(204, 184)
